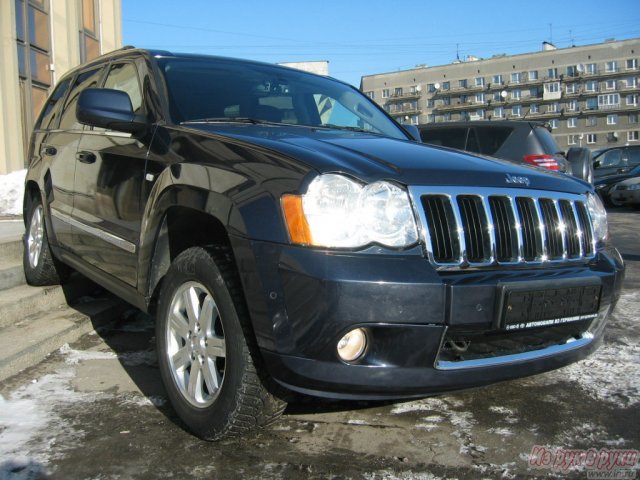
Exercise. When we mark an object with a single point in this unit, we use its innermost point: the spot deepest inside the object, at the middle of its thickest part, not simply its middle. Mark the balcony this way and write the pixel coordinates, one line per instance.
(405, 96)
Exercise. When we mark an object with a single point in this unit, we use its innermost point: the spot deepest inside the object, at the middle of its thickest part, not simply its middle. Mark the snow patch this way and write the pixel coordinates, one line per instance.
(142, 401)
(73, 357)
(389, 475)
(504, 432)
(12, 188)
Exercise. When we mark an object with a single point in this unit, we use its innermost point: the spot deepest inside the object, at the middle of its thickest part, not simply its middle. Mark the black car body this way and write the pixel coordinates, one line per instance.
(605, 184)
(340, 258)
(518, 140)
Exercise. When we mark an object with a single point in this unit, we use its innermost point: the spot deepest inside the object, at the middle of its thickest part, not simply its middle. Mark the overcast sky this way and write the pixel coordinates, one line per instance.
(363, 37)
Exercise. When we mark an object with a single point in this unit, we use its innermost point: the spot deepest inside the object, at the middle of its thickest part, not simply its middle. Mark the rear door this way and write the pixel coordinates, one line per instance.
(108, 185)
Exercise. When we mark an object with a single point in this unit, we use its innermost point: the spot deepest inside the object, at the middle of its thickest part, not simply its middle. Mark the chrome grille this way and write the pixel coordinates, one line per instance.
(483, 227)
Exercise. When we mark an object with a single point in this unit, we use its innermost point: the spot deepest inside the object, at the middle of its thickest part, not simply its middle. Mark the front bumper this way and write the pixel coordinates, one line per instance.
(302, 301)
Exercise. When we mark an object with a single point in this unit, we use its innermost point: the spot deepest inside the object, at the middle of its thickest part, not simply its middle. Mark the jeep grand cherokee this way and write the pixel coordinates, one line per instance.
(288, 235)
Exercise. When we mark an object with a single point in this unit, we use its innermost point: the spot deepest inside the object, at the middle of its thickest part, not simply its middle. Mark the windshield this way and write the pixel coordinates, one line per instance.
(221, 90)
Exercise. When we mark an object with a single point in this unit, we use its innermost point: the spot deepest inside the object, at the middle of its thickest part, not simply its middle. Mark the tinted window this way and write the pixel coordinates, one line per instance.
(83, 80)
(612, 158)
(447, 137)
(124, 77)
(216, 89)
(490, 139)
(52, 108)
(634, 156)
(547, 141)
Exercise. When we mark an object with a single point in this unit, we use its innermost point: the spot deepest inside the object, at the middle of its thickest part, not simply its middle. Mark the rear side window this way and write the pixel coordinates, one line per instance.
(612, 158)
(490, 139)
(53, 107)
(83, 80)
(546, 140)
(634, 156)
(446, 137)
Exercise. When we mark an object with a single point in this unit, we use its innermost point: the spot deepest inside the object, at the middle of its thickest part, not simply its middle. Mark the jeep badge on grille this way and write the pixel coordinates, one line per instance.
(517, 179)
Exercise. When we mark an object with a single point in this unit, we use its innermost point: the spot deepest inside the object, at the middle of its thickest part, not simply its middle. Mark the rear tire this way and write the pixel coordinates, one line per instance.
(40, 268)
(206, 354)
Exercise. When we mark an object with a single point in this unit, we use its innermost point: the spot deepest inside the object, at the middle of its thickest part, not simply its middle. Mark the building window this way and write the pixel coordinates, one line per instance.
(446, 85)
(397, 92)
(516, 110)
(553, 87)
(479, 81)
(371, 95)
(532, 74)
(446, 100)
(610, 84)
(609, 100)
(572, 122)
(632, 99)
(591, 103)
(572, 139)
(553, 107)
(572, 71)
(631, 64)
(591, 86)
(535, 92)
(611, 66)
(414, 120)
(591, 68)
(498, 112)
(33, 43)
(431, 103)
(612, 137)
(89, 33)
(572, 105)
(479, 97)
(552, 73)
(612, 119)
(632, 136)
(591, 138)
(592, 121)
(431, 87)
(515, 77)
(462, 83)
(632, 118)
(534, 108)
(477, 115)
(516, 94)
(497, 97)
(497, 78)
(631, 82)
(571, 88)
(385, 93)
(446, 116)
(554, 123)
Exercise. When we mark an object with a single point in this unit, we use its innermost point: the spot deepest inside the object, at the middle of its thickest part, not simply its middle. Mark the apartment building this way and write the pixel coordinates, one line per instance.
(589, 95)
(41, 40)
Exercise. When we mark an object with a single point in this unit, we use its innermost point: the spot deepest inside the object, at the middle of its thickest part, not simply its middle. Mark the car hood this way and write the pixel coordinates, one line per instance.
(373, 157)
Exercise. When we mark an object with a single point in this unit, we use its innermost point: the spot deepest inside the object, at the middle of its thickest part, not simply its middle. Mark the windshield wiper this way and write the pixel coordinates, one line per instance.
(253, 121)
(346, 127)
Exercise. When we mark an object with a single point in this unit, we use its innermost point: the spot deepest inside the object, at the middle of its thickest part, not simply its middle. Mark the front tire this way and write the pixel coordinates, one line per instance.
(40, 268)
(206, 355)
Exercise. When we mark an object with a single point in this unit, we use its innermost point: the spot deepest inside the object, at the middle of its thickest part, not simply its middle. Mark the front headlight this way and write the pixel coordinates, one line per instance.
(598, 217)
(339, 212)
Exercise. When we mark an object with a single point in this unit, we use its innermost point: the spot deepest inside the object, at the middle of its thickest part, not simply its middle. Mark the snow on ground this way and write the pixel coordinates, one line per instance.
(11, 193)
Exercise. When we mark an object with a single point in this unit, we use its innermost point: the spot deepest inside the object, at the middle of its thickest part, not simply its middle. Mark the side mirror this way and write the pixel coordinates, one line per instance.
(108, 108)
(413, 132)
(596, 164)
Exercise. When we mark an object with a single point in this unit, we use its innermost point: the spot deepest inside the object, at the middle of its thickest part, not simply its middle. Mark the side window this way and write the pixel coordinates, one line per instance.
(472, 142)
(124, 77)
(447, 137)
(612, 158)
(634, 156)
(490, 139)
(84, 80)
(51, 110)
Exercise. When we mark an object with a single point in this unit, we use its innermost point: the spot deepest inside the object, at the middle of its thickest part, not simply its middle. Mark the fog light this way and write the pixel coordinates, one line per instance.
(352, 345)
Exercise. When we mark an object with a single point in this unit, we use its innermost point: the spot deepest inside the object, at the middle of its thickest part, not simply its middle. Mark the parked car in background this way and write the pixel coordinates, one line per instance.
(517, 140)
(627, 192)
(616, 160)
(604, 185)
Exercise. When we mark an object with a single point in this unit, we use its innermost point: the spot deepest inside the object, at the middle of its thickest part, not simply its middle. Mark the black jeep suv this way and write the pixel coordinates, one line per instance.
(288, 235)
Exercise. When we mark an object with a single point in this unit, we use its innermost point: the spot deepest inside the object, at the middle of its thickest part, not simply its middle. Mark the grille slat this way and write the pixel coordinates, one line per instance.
(515, 227)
